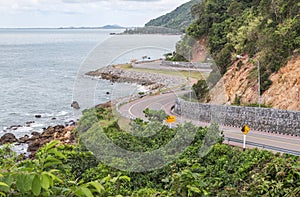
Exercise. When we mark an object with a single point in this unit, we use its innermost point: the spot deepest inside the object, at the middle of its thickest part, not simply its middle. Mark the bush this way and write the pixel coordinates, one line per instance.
(201, 90)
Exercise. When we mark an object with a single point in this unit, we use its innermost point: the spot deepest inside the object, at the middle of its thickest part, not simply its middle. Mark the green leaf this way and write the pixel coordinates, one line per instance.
(8, 179)
(97, 186)
(57, 153)
(24, 182)
(53, 177)
(194, 189)
(125, 178)
(3, 184)
(51, 161)
(36, 186)
(83, 191)
(51, 144)
(45, 182)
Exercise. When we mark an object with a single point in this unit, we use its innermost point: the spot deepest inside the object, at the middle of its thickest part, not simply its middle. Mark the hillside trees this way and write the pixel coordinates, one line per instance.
(268, 30)
(178, 19)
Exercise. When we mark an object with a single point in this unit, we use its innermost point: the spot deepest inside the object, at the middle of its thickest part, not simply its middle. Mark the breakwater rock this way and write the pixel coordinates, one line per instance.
(149, 79)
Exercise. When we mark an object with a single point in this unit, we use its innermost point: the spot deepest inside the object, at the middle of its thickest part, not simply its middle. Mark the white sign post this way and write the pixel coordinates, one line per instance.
(244, 145)
(245, 131)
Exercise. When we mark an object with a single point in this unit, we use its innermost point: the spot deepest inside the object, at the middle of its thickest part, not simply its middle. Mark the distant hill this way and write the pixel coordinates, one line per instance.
(112, 27)
(178, 19)
(103, 27)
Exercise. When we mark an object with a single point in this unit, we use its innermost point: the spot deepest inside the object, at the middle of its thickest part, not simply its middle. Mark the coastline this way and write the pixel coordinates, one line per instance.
(28, 145)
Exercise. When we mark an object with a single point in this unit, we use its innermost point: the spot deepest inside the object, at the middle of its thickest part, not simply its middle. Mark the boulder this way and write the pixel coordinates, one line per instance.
(35, 133)
(24, 139)
(75, 105)
(30, 122)
(8, 138)
(34, 146)
(38, 116)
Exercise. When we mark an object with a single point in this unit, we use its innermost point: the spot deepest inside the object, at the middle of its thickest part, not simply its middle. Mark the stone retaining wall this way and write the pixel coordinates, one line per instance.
(261, 119)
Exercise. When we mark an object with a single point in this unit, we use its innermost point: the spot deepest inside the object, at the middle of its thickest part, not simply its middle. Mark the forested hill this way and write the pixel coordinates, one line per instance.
(266, 30)
(179, 19)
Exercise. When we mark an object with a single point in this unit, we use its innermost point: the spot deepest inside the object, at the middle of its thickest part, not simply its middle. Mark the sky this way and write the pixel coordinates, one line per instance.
(78, 13)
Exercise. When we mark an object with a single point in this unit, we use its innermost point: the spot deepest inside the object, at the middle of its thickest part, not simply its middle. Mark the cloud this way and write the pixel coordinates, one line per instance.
(83, 12)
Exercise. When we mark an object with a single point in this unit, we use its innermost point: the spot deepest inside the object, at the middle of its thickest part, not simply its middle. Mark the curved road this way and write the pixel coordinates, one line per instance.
(233, 136)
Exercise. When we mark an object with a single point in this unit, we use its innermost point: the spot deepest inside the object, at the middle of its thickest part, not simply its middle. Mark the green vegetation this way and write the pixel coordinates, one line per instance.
(237, 102)
(72, 170)
(175, 57)
(184, 73)
(201, 90)
(268, 30)
(151, 30)
(178, 19)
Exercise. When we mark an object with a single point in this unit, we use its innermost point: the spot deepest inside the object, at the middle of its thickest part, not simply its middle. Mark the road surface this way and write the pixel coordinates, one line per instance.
(233, 136)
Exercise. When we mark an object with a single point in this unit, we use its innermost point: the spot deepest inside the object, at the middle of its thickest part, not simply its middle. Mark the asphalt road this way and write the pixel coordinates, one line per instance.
(135, 109)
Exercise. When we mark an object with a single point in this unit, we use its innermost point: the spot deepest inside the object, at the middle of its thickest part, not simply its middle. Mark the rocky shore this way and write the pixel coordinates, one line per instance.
(151, 81)
(37, 140)
(63, 133)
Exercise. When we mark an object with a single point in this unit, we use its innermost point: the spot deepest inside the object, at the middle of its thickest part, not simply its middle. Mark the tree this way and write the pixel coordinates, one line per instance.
(201, 90)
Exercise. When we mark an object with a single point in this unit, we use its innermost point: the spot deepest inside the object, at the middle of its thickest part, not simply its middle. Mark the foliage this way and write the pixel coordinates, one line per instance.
(43, 176)
(201, 90)
(175, 57)
(154, 115)
(151, 30)
(184, 49)
(267, 29)
(205, 168)
(238, 102)
(179, 19)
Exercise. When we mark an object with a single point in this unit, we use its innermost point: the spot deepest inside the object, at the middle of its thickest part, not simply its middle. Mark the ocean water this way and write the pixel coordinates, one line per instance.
(43, 70)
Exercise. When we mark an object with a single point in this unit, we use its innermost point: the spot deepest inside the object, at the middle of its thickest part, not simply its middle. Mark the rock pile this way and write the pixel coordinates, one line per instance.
(151, 80)
(62, 133)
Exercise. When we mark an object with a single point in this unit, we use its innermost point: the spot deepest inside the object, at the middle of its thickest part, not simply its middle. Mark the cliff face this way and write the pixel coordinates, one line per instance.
(240, 84)
(200, 52)
(237, 85)
(285, 90)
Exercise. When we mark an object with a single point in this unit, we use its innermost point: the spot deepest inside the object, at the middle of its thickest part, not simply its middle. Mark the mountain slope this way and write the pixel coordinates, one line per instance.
(265, 31)
(285, 90)
(179, 19)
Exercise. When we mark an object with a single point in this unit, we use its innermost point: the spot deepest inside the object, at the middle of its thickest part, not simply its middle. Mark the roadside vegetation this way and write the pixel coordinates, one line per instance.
(72, 170)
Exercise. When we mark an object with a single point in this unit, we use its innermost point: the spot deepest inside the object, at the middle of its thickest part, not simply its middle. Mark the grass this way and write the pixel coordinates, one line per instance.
(123, 66)
(183, 73)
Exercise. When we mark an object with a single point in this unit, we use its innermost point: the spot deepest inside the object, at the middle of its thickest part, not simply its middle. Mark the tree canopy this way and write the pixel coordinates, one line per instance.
(268, 30)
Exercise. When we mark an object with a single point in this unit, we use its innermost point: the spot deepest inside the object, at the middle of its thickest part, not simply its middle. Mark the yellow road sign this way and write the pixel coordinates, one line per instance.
(245, 129)
(171, 119)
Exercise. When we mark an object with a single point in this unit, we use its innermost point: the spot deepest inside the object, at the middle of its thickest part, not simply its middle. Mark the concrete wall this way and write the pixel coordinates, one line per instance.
(261, 119)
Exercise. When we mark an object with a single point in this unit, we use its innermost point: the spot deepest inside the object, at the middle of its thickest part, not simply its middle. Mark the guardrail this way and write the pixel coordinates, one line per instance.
(263, 146)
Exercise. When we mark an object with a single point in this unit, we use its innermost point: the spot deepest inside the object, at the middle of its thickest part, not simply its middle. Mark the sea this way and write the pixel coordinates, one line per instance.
(42, 71)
